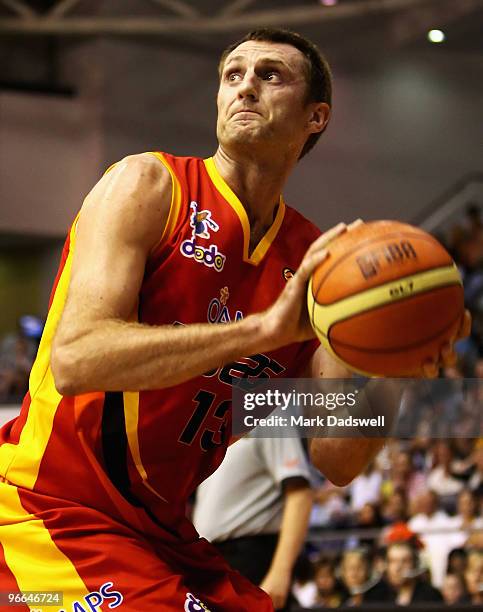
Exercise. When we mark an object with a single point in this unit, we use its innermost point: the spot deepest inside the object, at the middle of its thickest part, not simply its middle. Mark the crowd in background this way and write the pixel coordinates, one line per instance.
(422, 493)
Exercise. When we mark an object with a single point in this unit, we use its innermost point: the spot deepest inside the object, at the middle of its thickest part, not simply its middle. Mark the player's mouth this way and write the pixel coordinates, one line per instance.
(245, 113)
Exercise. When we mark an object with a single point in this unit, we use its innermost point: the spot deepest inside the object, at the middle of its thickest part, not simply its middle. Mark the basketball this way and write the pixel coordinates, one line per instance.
(386, 299)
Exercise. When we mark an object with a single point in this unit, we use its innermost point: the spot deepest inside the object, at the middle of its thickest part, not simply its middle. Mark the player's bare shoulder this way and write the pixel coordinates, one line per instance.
(134, 196)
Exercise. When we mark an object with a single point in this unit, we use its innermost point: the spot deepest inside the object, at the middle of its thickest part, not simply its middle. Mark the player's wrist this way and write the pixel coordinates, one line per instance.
(265, 331)
(257, 335)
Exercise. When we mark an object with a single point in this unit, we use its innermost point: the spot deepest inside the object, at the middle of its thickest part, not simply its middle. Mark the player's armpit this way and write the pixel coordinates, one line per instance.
(122, 218)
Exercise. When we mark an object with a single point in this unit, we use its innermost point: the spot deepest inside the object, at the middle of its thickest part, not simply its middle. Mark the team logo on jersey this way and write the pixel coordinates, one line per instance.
(202, 224)
(193, 604)
(218, 311)
(201, 221)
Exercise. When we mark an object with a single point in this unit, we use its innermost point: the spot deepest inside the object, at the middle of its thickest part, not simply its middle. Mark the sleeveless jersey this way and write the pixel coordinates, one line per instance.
(137, 456)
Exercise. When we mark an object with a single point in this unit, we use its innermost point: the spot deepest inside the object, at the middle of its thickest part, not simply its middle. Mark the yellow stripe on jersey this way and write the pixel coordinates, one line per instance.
(225, 190)
(31, 554)
(131, 416)
(20, 462)
(175, 205)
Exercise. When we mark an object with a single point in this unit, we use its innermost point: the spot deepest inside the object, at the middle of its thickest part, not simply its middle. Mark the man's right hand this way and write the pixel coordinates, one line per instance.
(287, 320)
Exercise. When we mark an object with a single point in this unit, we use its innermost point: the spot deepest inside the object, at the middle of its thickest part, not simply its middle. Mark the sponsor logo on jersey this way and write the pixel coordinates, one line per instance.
(193, 604)
(92, 601)
(218, 311)
(201, 224)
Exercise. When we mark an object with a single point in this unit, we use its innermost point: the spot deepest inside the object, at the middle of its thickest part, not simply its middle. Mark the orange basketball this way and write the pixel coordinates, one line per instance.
(386, 299)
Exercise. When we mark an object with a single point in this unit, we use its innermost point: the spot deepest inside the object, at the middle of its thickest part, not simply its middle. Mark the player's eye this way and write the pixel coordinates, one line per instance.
(271, 75)
(233, 75)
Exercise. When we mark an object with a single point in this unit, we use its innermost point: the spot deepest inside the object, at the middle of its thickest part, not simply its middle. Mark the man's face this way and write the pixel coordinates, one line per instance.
(399, 565)
(466, 504)
(354, 571)
(325, 581)
(262, 98)
(427, 503)
(402, 464)
(474, 573)
(452, 589)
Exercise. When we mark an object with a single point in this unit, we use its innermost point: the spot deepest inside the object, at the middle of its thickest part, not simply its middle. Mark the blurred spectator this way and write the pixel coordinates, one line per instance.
(401, 583)
(355, 575)
(330, 507)
(475, 482)
(463, 449)
(466, 521)
(330, 594)
(457, 560)
(473, 219)
(304, 589)
(378, 562)
(368, 517)
(433, 527)
(453, 590)
(17, 354)
(366, 488)
(395, 508)
(474, 577)
(441, 479)
(404, 478)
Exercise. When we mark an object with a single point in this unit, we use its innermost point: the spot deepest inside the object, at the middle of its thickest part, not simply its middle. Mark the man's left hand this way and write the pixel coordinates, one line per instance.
(448, 355)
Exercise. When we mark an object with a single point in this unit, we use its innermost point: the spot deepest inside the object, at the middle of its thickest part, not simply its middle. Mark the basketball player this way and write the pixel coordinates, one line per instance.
(128, 408)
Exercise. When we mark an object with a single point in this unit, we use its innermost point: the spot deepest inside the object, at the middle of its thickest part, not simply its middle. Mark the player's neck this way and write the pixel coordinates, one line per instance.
(258, 185)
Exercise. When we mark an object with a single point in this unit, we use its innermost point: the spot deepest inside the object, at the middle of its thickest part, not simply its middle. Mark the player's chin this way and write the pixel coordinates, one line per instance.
(244, 134)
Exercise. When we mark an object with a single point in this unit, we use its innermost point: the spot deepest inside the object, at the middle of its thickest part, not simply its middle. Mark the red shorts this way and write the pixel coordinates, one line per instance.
(99, 564)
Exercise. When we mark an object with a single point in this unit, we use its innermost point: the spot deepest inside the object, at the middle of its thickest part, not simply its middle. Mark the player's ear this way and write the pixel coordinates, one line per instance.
(319, 116)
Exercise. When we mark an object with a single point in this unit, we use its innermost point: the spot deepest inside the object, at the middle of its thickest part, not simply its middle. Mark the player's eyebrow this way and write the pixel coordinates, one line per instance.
(264, 60)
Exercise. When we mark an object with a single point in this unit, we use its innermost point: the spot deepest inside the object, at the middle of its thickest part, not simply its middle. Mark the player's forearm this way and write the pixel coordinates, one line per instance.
(114, 355)
(342, 459)
(295, 520)
(330, 454)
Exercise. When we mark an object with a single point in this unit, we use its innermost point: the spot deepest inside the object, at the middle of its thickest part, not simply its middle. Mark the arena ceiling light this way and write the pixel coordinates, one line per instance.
(436, 36)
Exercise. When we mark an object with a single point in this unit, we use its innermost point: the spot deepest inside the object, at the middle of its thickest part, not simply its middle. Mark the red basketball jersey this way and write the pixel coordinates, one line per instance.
(137, 456)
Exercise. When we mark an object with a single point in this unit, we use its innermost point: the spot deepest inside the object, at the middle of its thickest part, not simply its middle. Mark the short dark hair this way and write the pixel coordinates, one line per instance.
(408, 545)
(318, 74)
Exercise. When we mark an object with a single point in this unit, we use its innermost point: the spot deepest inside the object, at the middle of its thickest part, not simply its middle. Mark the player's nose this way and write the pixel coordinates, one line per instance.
(248, 87)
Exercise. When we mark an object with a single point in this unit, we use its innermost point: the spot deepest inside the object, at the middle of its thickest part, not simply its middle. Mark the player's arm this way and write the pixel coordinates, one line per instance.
(342, 459)
(298, 500)
(98, 345)
(339, 459)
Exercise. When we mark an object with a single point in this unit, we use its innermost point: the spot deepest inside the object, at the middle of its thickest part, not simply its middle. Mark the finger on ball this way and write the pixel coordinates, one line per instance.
(430, 369)
(448, 355)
